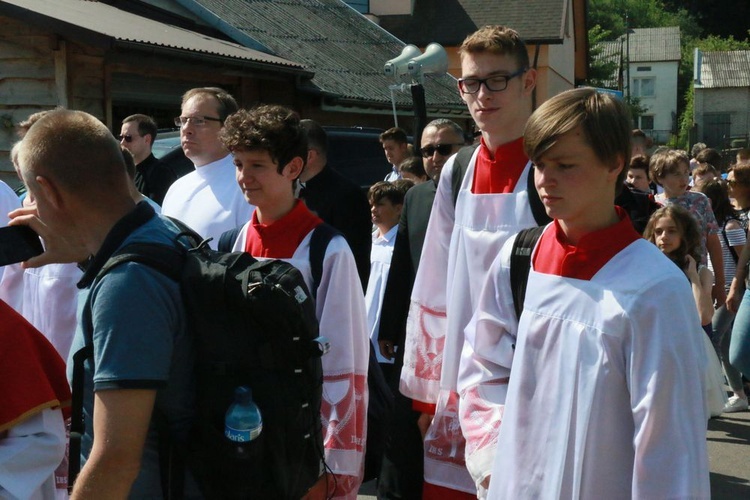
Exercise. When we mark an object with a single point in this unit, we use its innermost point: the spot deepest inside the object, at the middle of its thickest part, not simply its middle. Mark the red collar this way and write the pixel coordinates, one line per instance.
(555, 256)
(280, 239)
(499, 175)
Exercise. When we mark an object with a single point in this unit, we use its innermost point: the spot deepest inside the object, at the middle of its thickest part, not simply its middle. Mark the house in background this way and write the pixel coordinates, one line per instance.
(554, 30)
(96, 58)
(654, 59)
(721, 103)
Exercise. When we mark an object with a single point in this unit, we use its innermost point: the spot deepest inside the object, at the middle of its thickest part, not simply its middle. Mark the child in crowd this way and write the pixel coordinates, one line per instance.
(269, 149)
(607, 380)
(413, 170)
(386, 201)
(703, 173)
(675, 232)
(733, 239)
(670, 169)
(638, 174)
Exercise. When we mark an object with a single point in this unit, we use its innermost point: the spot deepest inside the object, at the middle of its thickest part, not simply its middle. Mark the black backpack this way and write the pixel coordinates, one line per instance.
(381, 399)
(253, 323)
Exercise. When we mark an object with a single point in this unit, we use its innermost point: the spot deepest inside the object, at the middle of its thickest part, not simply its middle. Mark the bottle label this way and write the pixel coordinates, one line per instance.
(242, 435)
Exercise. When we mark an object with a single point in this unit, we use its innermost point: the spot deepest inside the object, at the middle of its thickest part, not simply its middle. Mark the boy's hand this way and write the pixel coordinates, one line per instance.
(734, 297)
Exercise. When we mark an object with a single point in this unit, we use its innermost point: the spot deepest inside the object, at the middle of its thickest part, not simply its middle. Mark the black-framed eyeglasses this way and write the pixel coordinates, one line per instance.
(496, 83)
(126, 138)
(442, 149)
(198, 121)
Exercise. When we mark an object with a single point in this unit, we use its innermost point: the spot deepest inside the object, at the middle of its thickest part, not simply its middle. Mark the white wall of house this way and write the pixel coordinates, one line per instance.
(655, 84)
(715, 106)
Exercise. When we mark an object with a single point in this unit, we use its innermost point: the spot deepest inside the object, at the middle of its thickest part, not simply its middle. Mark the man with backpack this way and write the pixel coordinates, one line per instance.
(269, 149)
(133, 317)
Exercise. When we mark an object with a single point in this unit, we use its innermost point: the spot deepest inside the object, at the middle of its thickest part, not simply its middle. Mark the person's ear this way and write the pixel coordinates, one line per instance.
(529, 80)
(149, 139)
(49, 190)
(293, 169)
(618, 165)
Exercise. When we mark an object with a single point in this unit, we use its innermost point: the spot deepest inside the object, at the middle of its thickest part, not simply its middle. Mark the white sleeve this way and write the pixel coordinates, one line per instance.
(340, 308)
(484, 369)
(664, 368)
(30, 453)
(426, 325)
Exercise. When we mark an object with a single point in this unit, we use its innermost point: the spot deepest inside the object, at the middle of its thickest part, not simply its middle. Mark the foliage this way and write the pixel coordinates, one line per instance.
(600, 71)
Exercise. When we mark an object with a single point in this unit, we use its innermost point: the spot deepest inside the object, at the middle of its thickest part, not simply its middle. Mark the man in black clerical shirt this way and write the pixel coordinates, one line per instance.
(152, 177)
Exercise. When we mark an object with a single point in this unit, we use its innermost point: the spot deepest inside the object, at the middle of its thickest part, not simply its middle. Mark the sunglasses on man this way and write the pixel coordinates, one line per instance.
(442, 149)
(126, 138)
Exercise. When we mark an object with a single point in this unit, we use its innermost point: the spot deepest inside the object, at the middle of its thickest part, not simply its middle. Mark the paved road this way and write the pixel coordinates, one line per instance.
(728, 453)
(729, 456)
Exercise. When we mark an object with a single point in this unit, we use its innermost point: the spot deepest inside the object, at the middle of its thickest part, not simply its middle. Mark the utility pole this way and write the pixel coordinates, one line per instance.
(627, 55)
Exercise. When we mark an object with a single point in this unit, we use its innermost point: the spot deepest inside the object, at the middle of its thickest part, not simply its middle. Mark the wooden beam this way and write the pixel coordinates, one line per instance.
(61, 73)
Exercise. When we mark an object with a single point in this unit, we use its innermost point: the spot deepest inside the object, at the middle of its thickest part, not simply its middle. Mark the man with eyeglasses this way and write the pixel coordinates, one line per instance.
(466, 230)
(402, 471)
(208, 199)
(152, 177)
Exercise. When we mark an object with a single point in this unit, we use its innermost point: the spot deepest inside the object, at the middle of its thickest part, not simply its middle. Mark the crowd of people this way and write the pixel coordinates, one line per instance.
(597, 384)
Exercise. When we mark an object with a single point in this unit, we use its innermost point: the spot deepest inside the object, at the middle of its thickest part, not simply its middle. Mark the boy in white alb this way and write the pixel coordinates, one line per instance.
(599, 385)
(269, 149)
(465, 232)
(208, 199)
(386, 201)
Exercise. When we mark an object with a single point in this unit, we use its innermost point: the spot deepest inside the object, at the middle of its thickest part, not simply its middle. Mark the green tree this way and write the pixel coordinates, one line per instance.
(601, 71)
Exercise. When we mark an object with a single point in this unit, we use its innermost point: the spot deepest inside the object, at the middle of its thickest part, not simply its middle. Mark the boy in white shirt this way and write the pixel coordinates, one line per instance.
(599, 383)
(386, 201)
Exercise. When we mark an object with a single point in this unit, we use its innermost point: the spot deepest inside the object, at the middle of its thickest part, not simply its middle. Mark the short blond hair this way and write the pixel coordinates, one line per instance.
(604, 119)
(496, 39)
(77, 151)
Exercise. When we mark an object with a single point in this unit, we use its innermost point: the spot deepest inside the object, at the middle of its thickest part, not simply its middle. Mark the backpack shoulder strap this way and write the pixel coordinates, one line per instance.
(166, 259)
(726, 239)
(227, 239)
(460, 166)
(537, 207)
(520, 264)
(321, 237)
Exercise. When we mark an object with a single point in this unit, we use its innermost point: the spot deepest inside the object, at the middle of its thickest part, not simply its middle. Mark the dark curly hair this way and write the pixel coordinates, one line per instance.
(268, 127)
(690, 236)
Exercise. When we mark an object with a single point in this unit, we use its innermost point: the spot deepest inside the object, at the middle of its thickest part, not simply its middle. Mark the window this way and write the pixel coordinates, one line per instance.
(643, 68)
(646, 122)
(644, 87)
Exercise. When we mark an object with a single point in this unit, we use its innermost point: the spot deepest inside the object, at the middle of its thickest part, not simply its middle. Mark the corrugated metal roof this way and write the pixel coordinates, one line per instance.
(654, 44)
(344, 49)
(725, 69)
(611, 52)
(123, 26)
(450, 21)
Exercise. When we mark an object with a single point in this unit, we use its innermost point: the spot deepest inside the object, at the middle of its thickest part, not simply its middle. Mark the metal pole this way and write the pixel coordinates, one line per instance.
(627, 54)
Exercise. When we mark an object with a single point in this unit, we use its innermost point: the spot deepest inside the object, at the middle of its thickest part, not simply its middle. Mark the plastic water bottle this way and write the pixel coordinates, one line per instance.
(243, 422)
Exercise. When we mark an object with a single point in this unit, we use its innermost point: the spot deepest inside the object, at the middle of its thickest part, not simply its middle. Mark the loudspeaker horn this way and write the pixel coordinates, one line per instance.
(434, 60)
(398, 65)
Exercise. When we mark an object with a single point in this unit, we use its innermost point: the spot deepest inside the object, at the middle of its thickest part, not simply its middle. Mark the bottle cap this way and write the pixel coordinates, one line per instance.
(243, 394)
